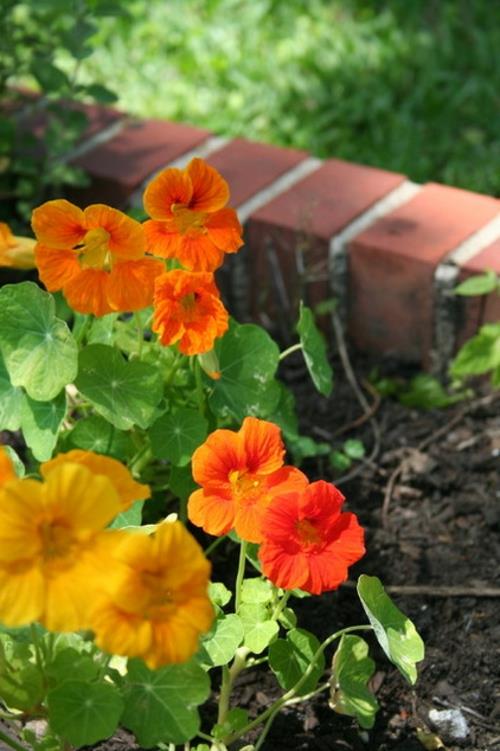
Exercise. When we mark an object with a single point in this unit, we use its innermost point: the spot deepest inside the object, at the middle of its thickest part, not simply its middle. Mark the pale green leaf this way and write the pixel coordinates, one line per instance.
(480, 284)
(220, 644)
(41, 422)
(314, 350)
(351, 671)
(39, 350)
(395, 632)
(11, 401)
(289, 658)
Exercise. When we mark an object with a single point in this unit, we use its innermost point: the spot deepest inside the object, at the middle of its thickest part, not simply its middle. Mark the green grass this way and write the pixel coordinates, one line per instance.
(408, 85)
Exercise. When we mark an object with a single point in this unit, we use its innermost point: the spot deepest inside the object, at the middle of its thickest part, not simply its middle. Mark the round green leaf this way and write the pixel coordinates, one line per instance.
(125, 393)
(351, 671)
(354, 449)
(177, 435)
(84, 713)
(39, 350)
(395, 632)
(160, 705)
(248, 359)
(314, 350)
(11, 401)
(289, 658)
(220, 644)
(480, 284)
(94, 433)
(41, 422)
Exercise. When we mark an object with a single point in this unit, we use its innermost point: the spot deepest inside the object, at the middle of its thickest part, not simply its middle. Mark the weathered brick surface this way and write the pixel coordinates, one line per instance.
(392, 267)
(249, 167)
(289, 237)
(120, 166)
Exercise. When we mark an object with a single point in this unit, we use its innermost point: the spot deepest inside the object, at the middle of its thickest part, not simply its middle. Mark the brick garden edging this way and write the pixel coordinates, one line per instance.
(389, 250)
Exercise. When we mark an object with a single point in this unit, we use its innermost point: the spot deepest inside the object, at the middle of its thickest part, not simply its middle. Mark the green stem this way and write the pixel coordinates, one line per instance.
(84, 329)
(208, 550)
(293, 348)
(240, 575)
(200, 395)
(11, 742)
(140, 335)
(292, 693)
(173, 370)
(229, 676)
(281, 605)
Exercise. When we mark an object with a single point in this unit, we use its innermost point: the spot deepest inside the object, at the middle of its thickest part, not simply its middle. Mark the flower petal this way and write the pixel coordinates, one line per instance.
(262, 445)
(171, 186)
(126, 235)
(56, 267)
(131, 284)
(215, 514)
(215, 459)
(225, 230)
(59, 224)
(87, 292)
(22, 596)
(162, 238)
(210, 190)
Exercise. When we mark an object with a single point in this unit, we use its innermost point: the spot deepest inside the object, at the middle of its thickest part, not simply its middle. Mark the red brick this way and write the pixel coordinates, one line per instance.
(120, 166)
(300, 223)
(392, 267)
(481, 309)
(250, 167)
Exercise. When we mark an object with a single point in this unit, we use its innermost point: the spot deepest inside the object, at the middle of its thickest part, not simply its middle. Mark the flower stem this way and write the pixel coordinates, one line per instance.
(273, 710)
(140, 334)
(11, 742)
(210, 548)
(293, 348)
(240, 575)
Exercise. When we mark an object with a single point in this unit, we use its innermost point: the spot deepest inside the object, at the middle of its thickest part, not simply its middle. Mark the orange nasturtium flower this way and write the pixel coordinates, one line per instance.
(53, 546)
(7, 471)
(156, 603)
(240, 473)
(188, 218)
(96, 256)
(16, 252)
(188, 310)
(308, 543)
(126, 487)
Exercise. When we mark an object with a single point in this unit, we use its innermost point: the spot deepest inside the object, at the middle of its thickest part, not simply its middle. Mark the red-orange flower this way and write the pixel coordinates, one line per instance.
(188, 218)
(308, 543)
(240, 474)
(7, 471)
(188, 310)
(96, 256)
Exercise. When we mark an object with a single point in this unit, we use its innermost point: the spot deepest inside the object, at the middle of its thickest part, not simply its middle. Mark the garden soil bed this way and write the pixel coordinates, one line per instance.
(430, 505)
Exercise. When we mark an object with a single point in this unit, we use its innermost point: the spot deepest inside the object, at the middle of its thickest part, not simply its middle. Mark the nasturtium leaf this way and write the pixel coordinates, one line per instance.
(285, 414)
(351, 671)
(480, 284)
(287, 618)
(84, 713)
(39, 350)
(259, 629)
(248, 360)
(11, 401)
(181, 482)
(132, 517)
(125, 393)
(41, 422)
(354, 449)
(160, 705)
(94, 433)
(395, 632)
(236, 719)
(21, 685)
(70, 664)
(176, 435)
(289, 659)
(219, 594)
(102, 330)
(220, 644)
(314, 350)
(256, 590)
(479, 354)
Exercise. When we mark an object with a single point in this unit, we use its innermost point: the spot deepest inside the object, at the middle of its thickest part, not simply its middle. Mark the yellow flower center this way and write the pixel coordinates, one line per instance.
(160, 600)
(307, 533)
(94, 252)
(245, 487)
(186, 219)
(188, 301)
(57, 544)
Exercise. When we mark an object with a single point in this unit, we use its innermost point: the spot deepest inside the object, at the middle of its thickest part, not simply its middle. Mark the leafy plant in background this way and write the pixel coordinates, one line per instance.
(140, 400)
(34, 35)
(480, 355)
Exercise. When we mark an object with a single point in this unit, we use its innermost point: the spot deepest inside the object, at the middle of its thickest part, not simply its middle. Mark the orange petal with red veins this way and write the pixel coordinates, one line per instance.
(126, 235)
(131, 284)
(215, 459)
(162, 238)
(262, 445)
(88, 292)
(171, 186)
(56, 267)
(210, 190)
(197, 252)
(213, 513)
(58, 224)
(225, 230)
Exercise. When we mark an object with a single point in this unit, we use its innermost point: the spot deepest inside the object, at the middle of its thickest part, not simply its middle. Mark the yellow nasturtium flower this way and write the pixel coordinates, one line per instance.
(127, 488)
(156, 603)
(16, 252)
(54, 546)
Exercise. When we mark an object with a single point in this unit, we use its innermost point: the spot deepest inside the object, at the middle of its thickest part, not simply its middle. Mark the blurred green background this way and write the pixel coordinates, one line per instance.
(408, 85)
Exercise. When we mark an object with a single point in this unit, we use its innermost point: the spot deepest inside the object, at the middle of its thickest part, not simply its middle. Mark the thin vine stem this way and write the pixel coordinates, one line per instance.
(11, 742)
(290, 350)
